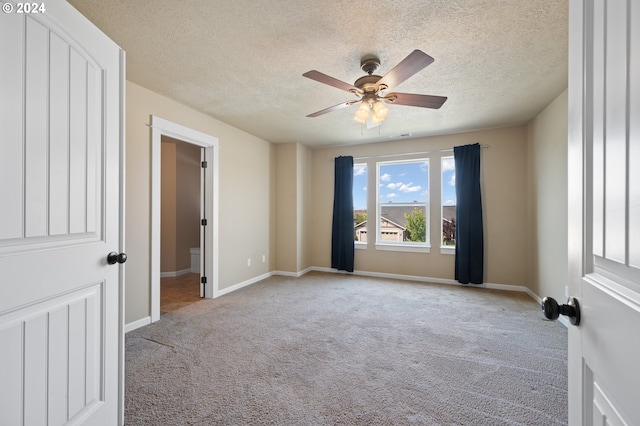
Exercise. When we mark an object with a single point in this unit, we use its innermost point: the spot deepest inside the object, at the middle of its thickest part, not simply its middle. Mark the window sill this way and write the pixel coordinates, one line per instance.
(360, 246)
(403, 247)
(448, 250)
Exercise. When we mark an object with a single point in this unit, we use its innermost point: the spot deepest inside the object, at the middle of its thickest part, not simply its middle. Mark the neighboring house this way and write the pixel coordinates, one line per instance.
(392, 224)
(390, 231)
(449, 213)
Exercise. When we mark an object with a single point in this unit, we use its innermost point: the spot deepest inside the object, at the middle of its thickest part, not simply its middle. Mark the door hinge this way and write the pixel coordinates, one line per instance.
(204, 164)
(203, 222)
(203, 280)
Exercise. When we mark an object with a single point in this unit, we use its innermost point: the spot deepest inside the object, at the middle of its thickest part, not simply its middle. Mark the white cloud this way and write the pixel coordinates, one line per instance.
(449, 203)
(452, 181)
(385, 177)
(359, 169)
(424, 166)
(409, 187)
(448, 164)
(364, 188)
(392, 195)
(404, 187)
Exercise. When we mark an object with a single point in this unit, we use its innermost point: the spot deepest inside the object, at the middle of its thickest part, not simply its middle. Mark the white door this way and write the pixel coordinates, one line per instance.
(60, 143)
(604, 211)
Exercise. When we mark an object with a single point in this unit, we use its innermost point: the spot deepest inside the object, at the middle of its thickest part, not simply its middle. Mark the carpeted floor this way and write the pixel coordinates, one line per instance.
(329, 349)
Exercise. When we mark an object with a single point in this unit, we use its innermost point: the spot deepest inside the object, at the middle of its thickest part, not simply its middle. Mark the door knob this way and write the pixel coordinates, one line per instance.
(552, 310)
(113, 258)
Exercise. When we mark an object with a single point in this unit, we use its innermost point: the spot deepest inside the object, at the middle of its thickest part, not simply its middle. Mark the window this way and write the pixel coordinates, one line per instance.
(448, 211)
(403, 203)
(360, 202)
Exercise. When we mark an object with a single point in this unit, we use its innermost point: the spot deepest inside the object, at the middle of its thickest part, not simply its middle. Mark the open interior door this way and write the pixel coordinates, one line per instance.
(604, 211)
(60, 217)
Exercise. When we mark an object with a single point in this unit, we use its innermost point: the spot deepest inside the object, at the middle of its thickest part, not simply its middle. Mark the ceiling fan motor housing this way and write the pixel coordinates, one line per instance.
(368, 83)
(369, 64)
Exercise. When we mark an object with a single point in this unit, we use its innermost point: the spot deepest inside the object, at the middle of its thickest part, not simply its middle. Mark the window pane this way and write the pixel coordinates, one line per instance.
(360, 202)
(404, 182)
(448, 202)
(403, 196)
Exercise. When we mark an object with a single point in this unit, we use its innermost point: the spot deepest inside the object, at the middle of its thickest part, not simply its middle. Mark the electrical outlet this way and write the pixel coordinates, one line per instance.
(264, 258)
(249, 262)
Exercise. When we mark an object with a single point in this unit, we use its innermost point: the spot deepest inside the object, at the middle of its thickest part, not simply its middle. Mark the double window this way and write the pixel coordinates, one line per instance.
(402, 216)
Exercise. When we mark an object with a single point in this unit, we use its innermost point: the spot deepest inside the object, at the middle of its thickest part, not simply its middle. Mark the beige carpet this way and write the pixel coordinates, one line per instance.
(330, 349)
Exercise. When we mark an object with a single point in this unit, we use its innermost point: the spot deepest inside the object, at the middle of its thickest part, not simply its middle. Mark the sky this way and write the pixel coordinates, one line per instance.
(404, 182)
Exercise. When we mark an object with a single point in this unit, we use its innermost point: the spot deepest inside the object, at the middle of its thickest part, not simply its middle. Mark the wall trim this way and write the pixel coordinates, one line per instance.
(209, 234)
(493, 286)
(137, 324)
(242, 284)
(175, 273)
(507, 287)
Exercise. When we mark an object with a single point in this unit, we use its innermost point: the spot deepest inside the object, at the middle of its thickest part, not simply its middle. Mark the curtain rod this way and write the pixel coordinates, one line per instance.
(410, 153)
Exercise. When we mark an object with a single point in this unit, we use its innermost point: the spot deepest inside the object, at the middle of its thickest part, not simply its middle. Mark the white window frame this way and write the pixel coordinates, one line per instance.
(403, 246)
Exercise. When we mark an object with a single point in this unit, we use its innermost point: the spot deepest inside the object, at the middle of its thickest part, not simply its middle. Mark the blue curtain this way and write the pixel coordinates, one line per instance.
(342, 246)
(469, 235)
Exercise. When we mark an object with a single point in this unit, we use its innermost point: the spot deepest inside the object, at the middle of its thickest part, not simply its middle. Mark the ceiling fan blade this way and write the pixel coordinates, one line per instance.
(410, 99)
(333, 108)
(323, 78)
(410, 65)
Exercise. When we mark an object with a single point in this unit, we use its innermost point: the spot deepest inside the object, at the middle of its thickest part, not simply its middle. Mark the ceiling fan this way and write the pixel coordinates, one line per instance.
(371, 89)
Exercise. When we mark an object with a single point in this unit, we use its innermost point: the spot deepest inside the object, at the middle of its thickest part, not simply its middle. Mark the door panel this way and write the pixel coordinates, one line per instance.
(60, 172)
(54, 164)
(609, 354)
(51, 358)
(604, 216)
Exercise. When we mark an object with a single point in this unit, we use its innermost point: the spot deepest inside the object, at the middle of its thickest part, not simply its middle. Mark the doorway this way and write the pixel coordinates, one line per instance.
(180, 221)
(208, 147)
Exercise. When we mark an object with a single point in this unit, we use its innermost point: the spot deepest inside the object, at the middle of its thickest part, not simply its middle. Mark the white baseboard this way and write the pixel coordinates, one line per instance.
(292, 274)
(175, 273)
(137, 324)
(494, 286)
(242, 284)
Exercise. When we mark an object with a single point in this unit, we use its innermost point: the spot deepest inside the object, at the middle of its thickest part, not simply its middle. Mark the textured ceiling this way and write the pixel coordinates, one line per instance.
(499, 62)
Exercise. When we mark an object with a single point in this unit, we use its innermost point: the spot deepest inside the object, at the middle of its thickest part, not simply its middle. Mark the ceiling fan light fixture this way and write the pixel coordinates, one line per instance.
(380, 110)
(362, 113)
(359, 119)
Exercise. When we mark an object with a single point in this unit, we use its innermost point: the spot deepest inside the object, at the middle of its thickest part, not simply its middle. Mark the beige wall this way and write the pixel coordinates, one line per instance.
(504, 186)
(286, 208)
(293, 204)
(180, 204)
(168, 229)
(276, 200)
(547, 157)
(246, 188)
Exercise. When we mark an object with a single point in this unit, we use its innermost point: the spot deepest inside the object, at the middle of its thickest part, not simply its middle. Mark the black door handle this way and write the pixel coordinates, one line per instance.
(552, 310)
(113, 258)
